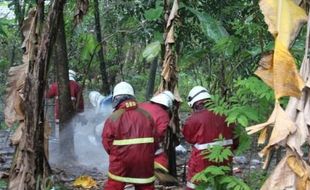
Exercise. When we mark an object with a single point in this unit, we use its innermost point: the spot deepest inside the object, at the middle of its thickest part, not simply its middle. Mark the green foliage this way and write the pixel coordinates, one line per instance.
(250, 103)
(234, 183)
(151, 51)
(218, 153)
(90, 46)
(210, 26)
(3, 184)
(154, 14)
(256, 178)
(2, 30)
(218, 178)
(192, 57)
(228, 46)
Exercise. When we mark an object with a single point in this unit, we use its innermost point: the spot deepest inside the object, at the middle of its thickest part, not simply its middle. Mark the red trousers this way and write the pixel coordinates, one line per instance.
(117, 185)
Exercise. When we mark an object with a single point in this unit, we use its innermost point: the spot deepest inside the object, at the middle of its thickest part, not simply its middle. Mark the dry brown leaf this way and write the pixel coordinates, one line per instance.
(265, 71)
(81, 10)
(281, 178)
(170, 36)
(283, 127)
(86, 182)
(173, 13)
(17, 135)
(296, 140)
(280, 73)
(262, 136)
(169, 66)
(301, 169)
(291, 108)
(284, 19)
(13, 110)
(307, 108)
(287, 81)
(28, 24)
(255, 128)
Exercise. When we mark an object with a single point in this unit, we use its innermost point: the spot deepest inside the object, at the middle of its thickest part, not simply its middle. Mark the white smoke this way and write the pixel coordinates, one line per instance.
(88, 146)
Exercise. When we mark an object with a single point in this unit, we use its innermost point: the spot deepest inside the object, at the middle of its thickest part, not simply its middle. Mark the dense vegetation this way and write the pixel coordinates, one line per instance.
(218, 45)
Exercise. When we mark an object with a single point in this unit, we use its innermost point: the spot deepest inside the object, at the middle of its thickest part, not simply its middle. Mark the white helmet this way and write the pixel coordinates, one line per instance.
(95, 98)
(197, 93)
(72, 75)
(165, 98)
(123, 88)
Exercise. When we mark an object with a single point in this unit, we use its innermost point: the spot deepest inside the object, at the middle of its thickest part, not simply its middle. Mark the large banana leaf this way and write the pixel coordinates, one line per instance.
(210, 26)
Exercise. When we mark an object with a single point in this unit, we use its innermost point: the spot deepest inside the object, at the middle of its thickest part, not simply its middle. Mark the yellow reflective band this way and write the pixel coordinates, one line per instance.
(131, 179)
(159, 166)
(130, 104)
(133, 141)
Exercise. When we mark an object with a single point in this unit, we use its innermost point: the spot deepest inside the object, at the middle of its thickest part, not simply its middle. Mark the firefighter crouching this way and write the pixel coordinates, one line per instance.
(202, 130)
(160, 107)
(128, 138)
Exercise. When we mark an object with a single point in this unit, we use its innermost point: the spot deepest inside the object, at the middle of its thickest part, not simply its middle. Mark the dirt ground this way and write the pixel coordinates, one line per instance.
(64, 174)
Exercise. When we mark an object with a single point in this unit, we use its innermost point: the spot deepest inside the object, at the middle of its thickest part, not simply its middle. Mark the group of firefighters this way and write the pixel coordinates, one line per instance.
(133, 136)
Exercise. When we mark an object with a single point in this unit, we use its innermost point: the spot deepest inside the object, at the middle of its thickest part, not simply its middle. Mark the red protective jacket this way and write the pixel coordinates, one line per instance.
(74, 91)
(130, 162)
(205, 127)
(162, 119)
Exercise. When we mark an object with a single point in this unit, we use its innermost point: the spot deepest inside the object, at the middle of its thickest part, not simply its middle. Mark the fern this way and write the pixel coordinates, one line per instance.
(218, 153)
(231, 182)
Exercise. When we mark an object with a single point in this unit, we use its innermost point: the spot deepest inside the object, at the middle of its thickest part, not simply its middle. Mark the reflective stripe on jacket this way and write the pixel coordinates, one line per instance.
(128, 138)
(74, 92)
(203, 129)
(161, 118)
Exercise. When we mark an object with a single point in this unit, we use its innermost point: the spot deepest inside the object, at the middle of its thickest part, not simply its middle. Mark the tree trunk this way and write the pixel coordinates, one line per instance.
(169, 81)
(30, 167)
(151, 81)
(66, 109)
(103, 70)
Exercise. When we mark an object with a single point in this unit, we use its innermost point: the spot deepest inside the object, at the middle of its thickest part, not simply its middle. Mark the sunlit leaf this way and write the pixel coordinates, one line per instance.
(243, 120)
(89, 45)
(151, 51)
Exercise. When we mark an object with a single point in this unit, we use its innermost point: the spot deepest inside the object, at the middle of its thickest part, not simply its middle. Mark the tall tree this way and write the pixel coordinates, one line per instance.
(103, 71)
(30, 163)
(66, 108)
(169, 80)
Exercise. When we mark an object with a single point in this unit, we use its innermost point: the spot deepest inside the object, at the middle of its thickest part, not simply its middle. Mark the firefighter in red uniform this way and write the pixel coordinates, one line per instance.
(159, 107)
(202, 130)
(74, 91)
(128, 138)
